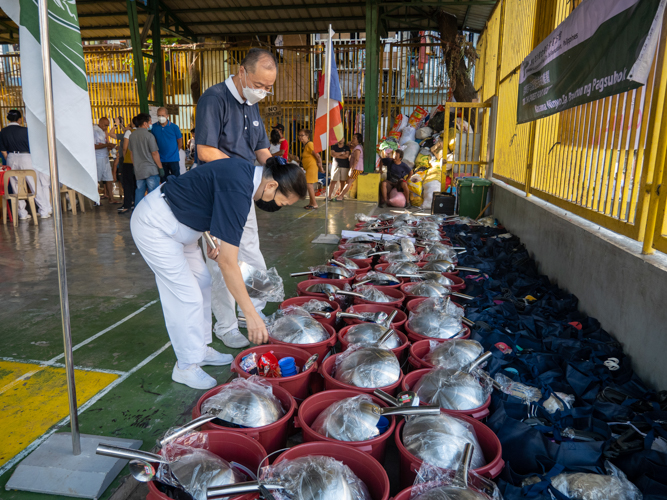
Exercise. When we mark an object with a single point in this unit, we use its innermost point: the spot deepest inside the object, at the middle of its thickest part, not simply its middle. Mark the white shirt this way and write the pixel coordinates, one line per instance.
(257, 179)
(100, 138)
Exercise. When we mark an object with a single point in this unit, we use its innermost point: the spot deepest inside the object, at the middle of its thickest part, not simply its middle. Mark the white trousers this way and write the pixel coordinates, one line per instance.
(170, 249)
(222, 301)
(23, 161)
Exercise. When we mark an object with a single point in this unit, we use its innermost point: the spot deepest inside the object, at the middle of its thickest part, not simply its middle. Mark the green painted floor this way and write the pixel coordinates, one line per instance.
(109, 281)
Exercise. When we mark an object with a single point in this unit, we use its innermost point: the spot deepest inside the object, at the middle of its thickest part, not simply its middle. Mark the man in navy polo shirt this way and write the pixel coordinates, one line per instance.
(229, 124)
(169, 142)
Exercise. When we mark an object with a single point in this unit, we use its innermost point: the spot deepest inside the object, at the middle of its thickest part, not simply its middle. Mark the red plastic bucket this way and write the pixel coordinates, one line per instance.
(412, 304)
(296, 385)
(488, 441)
(311, 408)
(330, 383)
(230, 446)
(273, 436)
(319, 348)
(364, 467)
(418, 352)
(361, 277)
(416, 337)
(400, 351)
(392, 292)
(398, 321)
(478, 413)
(300, 301)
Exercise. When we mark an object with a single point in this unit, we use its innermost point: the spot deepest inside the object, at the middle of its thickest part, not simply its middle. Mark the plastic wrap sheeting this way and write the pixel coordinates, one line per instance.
(453, 390)
(372, 294)
(434, 483)
(265, 285)
(193, 468)
(342, 420)
(245, 402)
(401, 257)
(435, 324)
(367, 366)
(317, 306)
(295, 325)
(442, 305)
(556, 402)
(402, 268)
(580, 486)
(456, 354)
(440, 440)
(315, 478)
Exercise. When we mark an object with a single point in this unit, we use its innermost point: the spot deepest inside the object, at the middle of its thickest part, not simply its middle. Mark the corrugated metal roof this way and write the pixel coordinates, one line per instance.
(107, 19)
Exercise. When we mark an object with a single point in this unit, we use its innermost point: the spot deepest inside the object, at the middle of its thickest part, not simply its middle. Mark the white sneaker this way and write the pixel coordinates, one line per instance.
(193, 377)
(233, 339)
(25, 217)
(215, 358)
(47, 216)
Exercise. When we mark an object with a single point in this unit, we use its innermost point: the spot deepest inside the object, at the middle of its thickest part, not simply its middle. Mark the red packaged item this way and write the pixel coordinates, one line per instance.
(268, 365)
(417, 116)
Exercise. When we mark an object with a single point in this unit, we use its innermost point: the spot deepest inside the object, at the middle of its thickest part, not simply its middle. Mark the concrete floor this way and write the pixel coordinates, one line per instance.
(124, 377)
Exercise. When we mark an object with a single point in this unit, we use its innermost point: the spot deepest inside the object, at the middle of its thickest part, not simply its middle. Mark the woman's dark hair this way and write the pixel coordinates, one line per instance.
(134, 122)
(142, 118)
(290, 177)
(307, 132)
(14, 115)
(360, 138)
(275, 137)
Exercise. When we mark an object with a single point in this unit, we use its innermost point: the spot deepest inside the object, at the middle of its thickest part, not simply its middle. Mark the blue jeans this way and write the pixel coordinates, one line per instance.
(171, 168)
(145, 184)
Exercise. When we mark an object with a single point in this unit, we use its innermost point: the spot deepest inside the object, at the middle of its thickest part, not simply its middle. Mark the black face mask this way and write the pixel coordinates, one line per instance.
(268, 206)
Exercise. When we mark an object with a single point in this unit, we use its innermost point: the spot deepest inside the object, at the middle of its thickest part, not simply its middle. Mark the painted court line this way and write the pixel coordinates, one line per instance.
(60, 365)
(99, 334)
(29, 449)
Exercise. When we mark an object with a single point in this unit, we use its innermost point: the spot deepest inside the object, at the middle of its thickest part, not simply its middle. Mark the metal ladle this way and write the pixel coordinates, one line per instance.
(329, 272)
(344, 262)
(429, 276)
(459, 489)
(372, 317)
(379, 279)
(434, 289)
(331, 290)
(446, 266)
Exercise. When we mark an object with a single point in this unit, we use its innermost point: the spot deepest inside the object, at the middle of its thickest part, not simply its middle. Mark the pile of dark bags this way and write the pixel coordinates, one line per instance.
(539, 338)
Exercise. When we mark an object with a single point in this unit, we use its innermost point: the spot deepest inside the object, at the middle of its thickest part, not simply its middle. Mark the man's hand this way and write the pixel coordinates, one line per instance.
(257, 332)
(212, 252)
(110, 146)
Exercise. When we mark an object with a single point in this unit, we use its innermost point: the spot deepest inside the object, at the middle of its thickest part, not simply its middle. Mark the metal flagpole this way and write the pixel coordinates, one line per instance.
(327, 85)
(57, 221)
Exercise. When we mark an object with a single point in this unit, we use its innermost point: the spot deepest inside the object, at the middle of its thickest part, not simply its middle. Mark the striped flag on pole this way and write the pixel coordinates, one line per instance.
(74, 122)
(331, 106)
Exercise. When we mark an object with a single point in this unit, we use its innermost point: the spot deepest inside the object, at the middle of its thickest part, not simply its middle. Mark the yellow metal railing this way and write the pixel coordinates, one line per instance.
(603, 161)
(468, 145)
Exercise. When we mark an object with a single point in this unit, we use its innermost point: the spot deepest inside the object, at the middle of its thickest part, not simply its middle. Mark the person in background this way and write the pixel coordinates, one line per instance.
(102, 148)
(169, 141)
(356, 163)
(16, 152)
(214, 197)
(397, 174)
(127, 171)
(312, 163)
(279, 146)
(145, 157)
(229, 124)
(340, 167)
(192, 145)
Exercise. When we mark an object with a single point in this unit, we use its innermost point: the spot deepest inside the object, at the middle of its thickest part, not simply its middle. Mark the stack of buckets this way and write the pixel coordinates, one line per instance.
(306, 394)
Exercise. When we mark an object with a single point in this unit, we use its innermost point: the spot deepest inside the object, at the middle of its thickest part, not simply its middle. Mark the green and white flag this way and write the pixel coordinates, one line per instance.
(74, 123)
(604, 47)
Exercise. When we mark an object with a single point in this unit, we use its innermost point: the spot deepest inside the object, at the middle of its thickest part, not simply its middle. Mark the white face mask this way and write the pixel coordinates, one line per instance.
(162, 119)
(253, 96)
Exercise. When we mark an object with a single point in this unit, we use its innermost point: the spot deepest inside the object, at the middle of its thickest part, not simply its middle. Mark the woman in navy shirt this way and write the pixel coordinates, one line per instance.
(166, 226)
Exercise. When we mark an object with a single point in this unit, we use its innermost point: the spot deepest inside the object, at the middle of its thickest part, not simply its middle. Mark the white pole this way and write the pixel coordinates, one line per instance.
(57, 221)
(327, 85)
